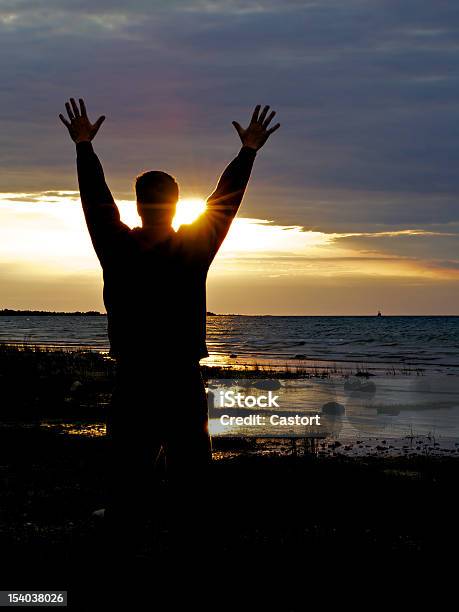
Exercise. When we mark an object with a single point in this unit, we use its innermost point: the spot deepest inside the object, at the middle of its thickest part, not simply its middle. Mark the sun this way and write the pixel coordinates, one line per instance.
(188, 210)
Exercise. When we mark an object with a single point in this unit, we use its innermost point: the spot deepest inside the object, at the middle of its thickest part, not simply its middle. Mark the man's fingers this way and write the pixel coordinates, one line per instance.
(255, 113)
(238, 127)
(261, 118)
(273, 129)
(69, 111)
(64, 120)
(99, 122)
(83, 108)
(74, 107)
(269, 119)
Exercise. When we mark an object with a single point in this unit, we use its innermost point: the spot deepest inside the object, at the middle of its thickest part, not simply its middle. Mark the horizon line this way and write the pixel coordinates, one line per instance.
(39, 312)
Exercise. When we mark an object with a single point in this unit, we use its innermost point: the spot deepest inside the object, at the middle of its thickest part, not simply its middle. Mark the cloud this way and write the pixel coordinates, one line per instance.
(47, 261)
(367, 93)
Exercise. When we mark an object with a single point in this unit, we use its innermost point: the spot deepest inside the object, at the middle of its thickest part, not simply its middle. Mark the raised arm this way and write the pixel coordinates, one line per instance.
(101, 213)
(224, 202)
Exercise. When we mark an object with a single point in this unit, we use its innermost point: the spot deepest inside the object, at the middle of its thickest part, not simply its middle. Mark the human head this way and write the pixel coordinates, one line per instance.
(157, 195)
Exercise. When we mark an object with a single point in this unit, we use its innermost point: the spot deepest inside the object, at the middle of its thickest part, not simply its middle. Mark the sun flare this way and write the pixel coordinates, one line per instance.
(188, 210)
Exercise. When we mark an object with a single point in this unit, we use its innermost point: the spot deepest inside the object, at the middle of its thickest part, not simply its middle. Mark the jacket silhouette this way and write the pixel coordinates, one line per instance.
(155, 293)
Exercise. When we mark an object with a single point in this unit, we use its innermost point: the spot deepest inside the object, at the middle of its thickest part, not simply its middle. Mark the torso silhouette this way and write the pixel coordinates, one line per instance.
(155, 293)
(155, 296)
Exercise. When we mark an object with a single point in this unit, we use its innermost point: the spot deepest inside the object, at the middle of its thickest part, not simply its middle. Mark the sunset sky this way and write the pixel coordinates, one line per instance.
(353, 204)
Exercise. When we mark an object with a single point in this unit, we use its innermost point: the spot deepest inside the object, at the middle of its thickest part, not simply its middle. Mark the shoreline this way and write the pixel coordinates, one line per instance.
(224, 447)
(281, 364)
(71, 390)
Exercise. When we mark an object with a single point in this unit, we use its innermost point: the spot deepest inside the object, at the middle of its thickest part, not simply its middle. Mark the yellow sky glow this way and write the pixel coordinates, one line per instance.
(43, 236)
(50, 233)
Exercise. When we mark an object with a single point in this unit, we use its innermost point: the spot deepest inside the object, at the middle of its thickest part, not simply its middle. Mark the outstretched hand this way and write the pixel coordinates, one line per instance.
(258, 132)
(79, 126)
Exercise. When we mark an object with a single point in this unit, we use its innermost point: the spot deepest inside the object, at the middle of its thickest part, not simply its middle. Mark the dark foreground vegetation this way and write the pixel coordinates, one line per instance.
(288, 514)
(279, 526)
(38, 382)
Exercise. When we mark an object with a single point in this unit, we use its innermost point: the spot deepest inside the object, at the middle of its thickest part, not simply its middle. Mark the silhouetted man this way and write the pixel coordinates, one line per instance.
(154, 293)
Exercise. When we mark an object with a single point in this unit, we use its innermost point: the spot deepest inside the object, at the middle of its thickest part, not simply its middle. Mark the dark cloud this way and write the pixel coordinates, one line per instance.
(367, 93)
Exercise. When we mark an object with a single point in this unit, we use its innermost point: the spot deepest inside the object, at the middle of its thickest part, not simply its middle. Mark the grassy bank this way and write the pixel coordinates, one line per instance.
(39, 382)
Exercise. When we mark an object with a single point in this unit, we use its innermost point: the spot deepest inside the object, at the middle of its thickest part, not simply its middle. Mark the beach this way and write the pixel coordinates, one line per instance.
(376, 484)
(229, 326)
(360, 404)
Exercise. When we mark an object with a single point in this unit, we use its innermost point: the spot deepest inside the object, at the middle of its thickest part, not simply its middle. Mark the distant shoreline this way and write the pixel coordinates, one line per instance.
(6, 312)
(9, 312)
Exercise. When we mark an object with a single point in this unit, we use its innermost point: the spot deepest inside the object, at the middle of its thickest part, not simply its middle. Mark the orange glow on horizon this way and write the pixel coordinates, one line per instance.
(45, 249)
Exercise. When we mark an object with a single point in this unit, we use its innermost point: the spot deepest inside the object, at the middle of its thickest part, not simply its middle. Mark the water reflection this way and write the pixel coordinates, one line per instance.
(77, 429)
(350, 408)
